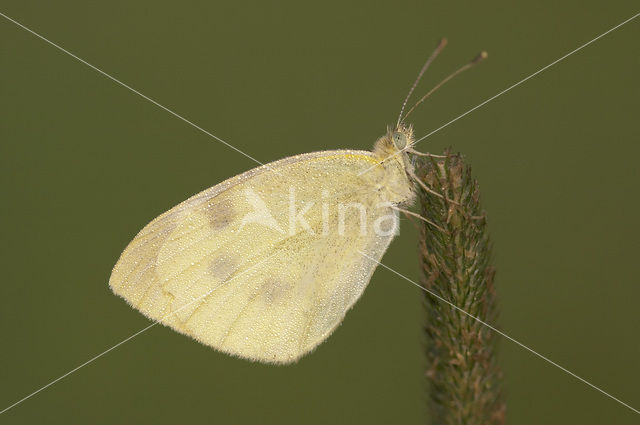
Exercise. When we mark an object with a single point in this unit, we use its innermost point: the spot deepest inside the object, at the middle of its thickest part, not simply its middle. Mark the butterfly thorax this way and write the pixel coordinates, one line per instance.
(390, 150)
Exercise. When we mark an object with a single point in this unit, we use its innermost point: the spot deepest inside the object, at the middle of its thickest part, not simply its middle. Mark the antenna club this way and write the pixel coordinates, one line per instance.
(481, 56)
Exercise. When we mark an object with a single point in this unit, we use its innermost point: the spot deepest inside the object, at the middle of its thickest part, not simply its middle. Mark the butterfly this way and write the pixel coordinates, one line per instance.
(266, 264)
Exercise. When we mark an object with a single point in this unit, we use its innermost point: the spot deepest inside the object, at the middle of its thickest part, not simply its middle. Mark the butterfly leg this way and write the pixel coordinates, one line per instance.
(429, 190)
(415, 152)
(411, 213)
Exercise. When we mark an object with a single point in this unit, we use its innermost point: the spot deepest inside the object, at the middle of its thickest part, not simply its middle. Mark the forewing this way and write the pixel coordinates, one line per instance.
(264, 265)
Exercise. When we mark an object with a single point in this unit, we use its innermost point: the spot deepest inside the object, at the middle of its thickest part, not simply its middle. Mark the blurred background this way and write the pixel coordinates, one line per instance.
(85, 164)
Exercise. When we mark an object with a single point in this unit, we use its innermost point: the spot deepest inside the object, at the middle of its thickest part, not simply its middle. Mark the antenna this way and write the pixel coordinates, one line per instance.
(480, 57)
(436, 52)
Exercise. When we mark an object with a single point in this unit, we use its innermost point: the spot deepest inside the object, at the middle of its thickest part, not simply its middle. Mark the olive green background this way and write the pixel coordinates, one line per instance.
(86, 163)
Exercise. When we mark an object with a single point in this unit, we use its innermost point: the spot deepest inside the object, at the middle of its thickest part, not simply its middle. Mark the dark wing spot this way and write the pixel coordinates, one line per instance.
(221, 215)
(274, 290)
(223, 267)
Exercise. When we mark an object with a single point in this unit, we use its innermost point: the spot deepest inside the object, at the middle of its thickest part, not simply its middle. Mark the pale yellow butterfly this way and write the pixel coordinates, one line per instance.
(266, 264)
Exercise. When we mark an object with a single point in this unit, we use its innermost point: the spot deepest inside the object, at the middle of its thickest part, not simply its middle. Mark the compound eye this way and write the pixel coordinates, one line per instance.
(399, 140)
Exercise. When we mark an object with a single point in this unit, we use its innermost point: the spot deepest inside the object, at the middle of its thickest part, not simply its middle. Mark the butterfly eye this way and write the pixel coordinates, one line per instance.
(399, 140)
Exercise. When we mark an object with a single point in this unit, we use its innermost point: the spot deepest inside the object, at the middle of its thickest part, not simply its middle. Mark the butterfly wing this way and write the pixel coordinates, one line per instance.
(264, 265)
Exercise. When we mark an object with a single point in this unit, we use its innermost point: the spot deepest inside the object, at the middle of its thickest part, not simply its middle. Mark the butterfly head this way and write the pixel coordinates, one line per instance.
(395, 143)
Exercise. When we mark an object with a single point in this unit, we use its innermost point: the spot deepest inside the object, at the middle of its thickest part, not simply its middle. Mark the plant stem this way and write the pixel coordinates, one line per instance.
(462, 371)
